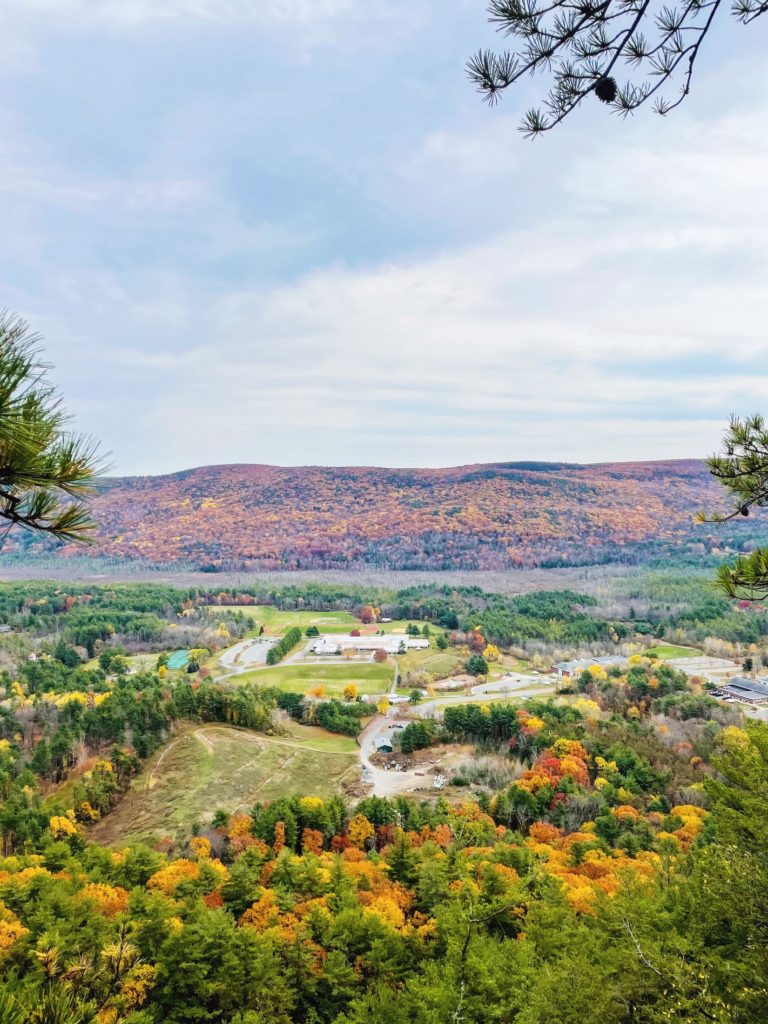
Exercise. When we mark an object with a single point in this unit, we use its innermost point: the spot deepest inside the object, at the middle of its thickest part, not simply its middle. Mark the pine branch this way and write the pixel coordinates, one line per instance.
(579, 44)
(46, 472)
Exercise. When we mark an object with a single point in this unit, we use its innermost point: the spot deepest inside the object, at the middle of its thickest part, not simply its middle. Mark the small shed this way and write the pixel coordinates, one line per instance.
(384, 744)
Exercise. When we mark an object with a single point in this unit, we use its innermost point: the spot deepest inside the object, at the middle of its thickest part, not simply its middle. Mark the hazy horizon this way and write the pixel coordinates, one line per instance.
(521, 464)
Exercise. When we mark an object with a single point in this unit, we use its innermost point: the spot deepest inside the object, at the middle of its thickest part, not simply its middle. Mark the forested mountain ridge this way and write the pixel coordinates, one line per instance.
(492, 516)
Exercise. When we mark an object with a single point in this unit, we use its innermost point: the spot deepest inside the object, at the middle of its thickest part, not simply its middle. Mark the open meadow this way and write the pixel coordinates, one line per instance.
(671, 651)
(369, 677)
(277, 621)
(438, 663)
(212, 767)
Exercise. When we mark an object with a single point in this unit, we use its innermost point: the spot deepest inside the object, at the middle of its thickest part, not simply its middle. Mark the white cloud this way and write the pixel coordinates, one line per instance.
(624, 335)
(305, 18)
(29, 174)
(605, 307)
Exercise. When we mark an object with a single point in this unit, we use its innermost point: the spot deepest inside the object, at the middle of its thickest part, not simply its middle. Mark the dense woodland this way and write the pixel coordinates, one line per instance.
(499, 516)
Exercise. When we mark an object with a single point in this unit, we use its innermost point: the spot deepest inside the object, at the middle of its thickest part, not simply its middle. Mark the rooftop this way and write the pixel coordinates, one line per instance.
(752, 688)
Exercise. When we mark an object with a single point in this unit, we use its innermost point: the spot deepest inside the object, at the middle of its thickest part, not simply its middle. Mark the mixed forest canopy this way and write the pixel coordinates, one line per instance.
(485, 517)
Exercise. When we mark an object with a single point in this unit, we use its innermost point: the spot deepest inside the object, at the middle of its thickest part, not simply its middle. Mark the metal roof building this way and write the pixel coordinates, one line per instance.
(747, 691)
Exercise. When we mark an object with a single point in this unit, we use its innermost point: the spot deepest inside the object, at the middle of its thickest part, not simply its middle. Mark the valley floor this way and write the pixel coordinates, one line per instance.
(585, 579)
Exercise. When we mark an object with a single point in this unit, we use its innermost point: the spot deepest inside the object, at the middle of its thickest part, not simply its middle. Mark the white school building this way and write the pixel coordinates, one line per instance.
(390, 642)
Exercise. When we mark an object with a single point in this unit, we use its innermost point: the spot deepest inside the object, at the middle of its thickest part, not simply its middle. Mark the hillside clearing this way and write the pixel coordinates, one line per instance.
(211, 767)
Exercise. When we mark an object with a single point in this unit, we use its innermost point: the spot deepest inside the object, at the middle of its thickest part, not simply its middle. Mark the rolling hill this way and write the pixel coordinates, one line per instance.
(494, 516)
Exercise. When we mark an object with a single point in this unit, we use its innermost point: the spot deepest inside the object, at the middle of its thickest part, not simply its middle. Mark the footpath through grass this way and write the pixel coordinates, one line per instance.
(209, 767)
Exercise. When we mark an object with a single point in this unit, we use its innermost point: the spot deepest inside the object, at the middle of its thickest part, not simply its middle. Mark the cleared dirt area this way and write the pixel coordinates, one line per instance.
(208, 767)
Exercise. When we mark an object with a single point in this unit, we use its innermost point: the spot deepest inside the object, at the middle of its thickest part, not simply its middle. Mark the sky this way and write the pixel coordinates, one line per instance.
(290, 232)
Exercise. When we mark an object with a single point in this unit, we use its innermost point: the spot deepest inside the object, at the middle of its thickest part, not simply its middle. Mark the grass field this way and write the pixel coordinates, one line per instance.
(215, 766)
(518, 697)
(509, 664)
(672, 651)
(369, 677)
(276, 621)
(439, 663)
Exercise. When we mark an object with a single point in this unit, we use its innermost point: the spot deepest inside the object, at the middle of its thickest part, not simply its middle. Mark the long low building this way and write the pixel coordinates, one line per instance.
(390, 642)
(746, 691)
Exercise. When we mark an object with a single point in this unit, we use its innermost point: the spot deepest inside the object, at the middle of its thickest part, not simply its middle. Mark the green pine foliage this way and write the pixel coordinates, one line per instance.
(47, 472)
(284, 646)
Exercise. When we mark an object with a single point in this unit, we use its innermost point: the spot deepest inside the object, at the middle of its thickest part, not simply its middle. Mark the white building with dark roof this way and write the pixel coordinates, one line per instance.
(336, 643)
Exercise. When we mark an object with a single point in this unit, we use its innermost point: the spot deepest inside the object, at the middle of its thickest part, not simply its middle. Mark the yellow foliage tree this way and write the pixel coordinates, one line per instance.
(200, 847)
(109, 900)
(136, 985)
(62, 827)
(11, 930)
(360, 830)
(168, 878)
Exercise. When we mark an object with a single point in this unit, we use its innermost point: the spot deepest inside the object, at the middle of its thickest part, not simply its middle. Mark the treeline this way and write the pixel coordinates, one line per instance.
(333, 715)
(153, 617)
(91, 617)
(284, 646)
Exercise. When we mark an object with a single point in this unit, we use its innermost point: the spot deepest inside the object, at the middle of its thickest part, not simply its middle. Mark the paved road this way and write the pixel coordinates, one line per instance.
(514, 684)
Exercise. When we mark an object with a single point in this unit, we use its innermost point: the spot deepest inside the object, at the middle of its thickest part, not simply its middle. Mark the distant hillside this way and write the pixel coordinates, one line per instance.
(502, 515)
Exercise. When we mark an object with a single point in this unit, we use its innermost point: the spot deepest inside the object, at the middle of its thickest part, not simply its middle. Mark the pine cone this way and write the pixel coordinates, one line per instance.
(605, 89)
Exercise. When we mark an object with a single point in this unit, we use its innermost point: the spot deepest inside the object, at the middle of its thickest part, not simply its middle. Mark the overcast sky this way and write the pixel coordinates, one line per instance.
(288, 231)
